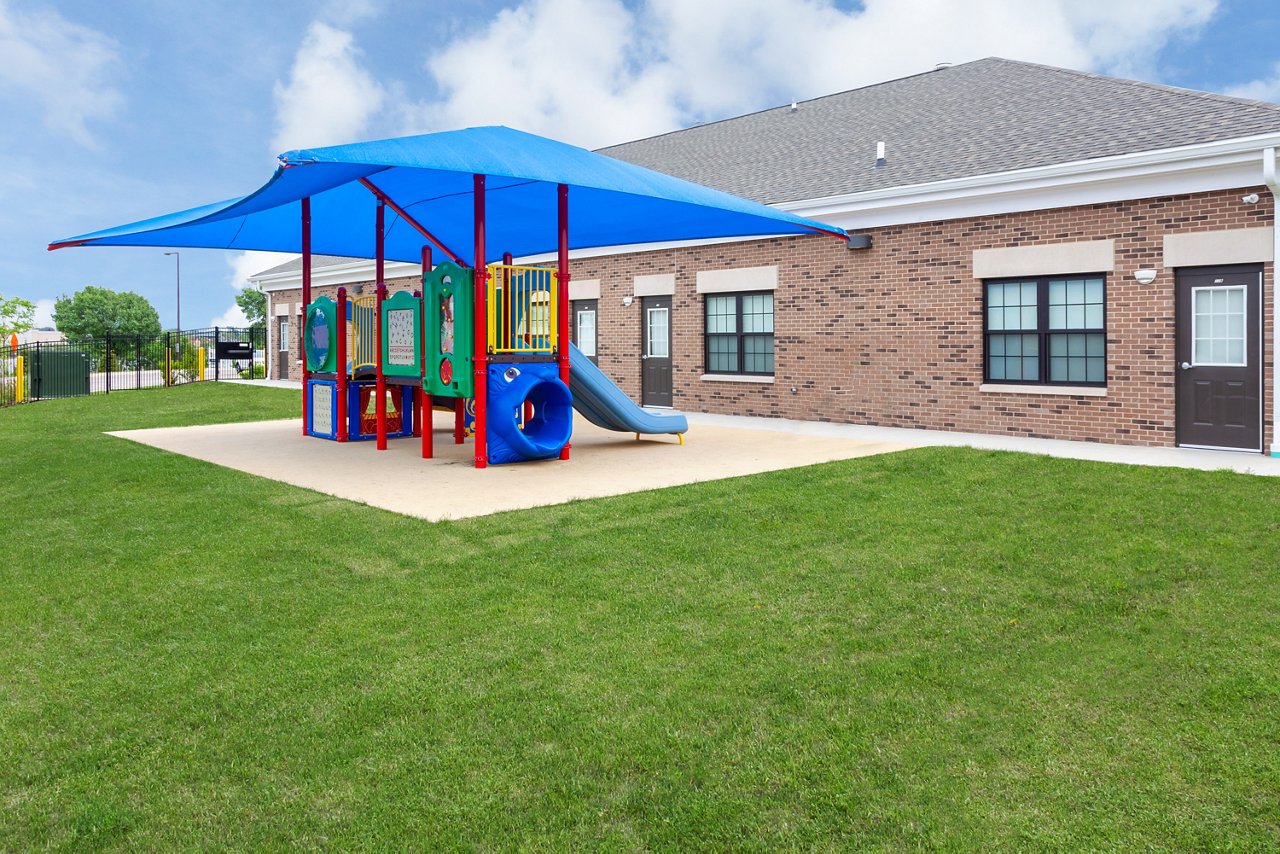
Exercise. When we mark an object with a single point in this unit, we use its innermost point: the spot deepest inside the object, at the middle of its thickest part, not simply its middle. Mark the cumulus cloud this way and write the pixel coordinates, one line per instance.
(1263, 89)
(44, 314)
(329, 97)
(243, 265)
(66, 68)
(635, 71)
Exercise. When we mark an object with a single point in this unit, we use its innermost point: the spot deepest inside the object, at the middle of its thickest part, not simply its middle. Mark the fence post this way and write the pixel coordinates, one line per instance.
(217, 337)
(137, 362)
(35, 378)
(201, 353)
(19, 370)
(108, 363)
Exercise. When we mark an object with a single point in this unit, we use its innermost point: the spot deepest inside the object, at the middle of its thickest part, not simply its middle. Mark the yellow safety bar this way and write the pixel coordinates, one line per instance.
(201, 357)
(524, 309)
(364, 333)
(20, 377)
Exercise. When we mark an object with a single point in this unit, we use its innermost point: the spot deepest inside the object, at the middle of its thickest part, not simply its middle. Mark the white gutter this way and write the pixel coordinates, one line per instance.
(1269, 177)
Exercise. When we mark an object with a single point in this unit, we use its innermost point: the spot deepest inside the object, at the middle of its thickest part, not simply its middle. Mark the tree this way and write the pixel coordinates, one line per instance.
(16, 315)
(97, 312)
(253, 303)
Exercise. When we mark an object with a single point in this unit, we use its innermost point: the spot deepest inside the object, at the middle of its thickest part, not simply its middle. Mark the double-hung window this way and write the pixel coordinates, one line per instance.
(1048, 331)
(739, 336)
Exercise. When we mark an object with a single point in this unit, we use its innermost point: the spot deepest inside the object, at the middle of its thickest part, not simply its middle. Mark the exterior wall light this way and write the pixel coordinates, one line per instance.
(628, 300)
(1144, 277)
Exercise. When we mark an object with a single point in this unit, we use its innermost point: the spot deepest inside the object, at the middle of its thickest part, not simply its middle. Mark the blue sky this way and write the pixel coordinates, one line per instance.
(115, 112)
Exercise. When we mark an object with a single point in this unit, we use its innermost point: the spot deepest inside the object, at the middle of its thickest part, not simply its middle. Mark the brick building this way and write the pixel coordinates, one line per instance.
(1036, 251)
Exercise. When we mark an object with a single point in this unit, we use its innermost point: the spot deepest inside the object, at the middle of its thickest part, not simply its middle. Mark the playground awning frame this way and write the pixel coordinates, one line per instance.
(427, 181)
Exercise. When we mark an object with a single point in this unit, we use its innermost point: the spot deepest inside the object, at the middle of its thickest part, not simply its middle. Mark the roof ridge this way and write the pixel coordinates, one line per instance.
(805, 101)
(1145, 84)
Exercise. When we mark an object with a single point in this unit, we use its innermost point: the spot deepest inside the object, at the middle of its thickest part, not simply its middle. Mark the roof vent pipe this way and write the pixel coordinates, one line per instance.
(879, 154)
(794, 107)
(941, 65)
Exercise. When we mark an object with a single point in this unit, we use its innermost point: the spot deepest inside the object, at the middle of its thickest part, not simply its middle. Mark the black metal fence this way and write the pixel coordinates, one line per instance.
(45, 370)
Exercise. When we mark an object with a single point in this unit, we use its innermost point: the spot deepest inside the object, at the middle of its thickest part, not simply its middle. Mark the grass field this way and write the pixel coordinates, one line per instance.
(938, 648)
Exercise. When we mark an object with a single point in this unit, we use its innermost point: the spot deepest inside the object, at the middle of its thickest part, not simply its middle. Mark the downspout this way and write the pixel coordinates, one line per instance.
(266, 341)
(1269, 176)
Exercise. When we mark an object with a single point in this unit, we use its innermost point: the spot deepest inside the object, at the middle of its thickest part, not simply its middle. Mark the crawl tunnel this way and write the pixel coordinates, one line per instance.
(511, 386)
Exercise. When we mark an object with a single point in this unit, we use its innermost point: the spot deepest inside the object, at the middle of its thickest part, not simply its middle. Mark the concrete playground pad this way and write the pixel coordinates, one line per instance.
(448, 487)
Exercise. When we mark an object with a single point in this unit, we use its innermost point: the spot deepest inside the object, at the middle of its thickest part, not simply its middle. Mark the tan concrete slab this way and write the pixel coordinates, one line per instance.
(448, 487)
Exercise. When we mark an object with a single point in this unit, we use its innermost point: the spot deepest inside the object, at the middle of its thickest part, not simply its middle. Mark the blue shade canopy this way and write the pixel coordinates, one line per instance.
(611, 203)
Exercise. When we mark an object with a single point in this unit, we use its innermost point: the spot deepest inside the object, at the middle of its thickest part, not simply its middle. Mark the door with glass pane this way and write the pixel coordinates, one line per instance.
(583, 319)
(655, 371)
(282, 349)
(1219, 358)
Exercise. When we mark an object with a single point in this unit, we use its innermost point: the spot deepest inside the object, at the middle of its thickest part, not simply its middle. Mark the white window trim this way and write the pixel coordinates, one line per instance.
(1245, 320)
(736, 378)
(1067, 390)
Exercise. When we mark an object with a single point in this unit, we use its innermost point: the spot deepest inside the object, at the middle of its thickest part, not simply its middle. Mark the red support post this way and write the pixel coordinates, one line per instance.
(306, 300)
(459, 421)
(381, 291)
(418, 390)
(562, 269)
(341, 358)
(481, 312)
(426, 417)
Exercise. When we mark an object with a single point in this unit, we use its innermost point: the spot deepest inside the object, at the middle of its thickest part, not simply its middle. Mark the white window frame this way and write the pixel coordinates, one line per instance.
(1244, 290)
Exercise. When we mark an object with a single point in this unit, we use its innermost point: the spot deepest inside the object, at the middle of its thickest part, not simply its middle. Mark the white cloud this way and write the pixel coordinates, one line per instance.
(243, 265)
(330, 96)
(64, 66)
(44, 313)
(1263, 89)
(630, 73)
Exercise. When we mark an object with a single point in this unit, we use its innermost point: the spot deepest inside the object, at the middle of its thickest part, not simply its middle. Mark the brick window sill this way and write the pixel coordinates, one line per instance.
(735, 378)
(1065, 390)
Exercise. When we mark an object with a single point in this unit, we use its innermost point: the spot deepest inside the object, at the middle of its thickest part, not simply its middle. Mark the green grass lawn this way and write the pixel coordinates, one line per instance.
(939, 648)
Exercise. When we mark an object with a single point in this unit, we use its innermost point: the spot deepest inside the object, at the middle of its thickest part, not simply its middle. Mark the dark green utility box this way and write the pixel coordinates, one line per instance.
(58, 373)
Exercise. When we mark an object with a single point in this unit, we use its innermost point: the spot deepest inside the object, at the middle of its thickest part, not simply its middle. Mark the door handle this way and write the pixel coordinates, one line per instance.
(1186, 366)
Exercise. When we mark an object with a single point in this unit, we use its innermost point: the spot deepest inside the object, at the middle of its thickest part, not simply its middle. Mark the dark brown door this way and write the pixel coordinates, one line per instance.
(582, 317)
(282, 349)
(1219, 351)
(655, 333)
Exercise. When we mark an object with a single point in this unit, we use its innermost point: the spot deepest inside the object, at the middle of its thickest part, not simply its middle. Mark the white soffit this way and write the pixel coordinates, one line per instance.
(658, 285)
(584, 288)
(1208, 248)
(740, 279)
(1088, 256)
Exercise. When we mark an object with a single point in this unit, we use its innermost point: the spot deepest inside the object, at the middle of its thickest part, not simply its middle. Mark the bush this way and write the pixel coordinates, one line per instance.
(259, 372)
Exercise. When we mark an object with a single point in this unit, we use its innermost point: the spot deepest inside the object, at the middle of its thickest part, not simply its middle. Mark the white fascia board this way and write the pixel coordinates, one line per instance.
(349, 273)
(1188, 169)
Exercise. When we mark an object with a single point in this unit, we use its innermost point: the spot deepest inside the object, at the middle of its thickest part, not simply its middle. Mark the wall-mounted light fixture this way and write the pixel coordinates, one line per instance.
(1251, 199)
(628, 300)
(1144, 277)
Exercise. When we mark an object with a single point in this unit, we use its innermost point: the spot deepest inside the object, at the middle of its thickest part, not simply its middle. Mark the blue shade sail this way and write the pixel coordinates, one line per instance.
(611, 203)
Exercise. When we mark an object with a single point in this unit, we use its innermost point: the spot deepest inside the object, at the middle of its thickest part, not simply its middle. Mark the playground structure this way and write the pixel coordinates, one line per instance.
(490, 340)
(492, 347)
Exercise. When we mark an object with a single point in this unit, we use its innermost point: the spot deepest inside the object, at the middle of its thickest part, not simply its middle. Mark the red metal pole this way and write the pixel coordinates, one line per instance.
(381, 291)
(562, 265)
(482, 324)
(426, 420)
(341, 345)
(413, 223)
(306, 300)
(459, 421)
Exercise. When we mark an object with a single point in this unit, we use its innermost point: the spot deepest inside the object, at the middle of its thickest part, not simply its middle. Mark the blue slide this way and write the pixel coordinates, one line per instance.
(602, 403)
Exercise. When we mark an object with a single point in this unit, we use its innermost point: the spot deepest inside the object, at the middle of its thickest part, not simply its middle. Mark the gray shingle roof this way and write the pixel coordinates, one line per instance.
(983, 117)
(295, 265)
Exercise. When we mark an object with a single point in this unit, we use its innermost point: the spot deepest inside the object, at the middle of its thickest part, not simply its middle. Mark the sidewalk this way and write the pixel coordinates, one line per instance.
(1242, 462)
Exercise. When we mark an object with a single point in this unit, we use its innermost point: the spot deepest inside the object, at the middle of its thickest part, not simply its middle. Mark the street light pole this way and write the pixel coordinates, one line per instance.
(177, 257)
